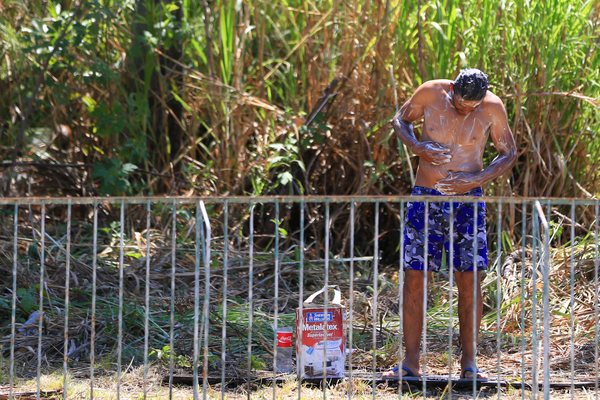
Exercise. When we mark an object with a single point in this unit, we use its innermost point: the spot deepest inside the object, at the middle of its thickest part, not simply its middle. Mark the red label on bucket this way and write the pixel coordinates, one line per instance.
(285, 339)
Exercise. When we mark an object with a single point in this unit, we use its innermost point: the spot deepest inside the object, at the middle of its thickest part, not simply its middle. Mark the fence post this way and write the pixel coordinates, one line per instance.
(545, 264)
(206, 314)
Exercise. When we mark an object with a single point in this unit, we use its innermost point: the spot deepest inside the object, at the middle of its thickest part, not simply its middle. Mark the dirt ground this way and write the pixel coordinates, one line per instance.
(131, 386)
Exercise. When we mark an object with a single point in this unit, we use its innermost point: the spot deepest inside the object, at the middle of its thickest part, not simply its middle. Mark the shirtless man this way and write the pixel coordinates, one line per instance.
(459, 116)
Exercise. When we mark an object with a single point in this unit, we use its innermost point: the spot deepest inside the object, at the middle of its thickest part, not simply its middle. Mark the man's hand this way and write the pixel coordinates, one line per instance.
(457, 183)
(433, 153)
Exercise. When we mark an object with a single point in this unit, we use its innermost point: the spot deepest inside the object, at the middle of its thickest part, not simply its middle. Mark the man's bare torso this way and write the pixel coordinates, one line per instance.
(464, 135)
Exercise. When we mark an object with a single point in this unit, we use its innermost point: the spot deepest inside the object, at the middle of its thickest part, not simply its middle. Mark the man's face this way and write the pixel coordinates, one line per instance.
(463, 106)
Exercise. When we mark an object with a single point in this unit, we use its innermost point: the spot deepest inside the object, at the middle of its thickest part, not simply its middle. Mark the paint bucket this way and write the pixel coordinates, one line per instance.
(317, 357)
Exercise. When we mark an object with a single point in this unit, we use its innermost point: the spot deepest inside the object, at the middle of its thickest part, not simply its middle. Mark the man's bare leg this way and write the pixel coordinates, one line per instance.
(464, 282)
(412, 322)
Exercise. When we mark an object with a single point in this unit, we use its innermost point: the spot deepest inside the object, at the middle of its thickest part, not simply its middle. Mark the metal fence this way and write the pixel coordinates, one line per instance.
(197, 288)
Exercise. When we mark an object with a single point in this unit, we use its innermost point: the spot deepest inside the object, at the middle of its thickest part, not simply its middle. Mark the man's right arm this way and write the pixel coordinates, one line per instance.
(411, 111)
(404, 131)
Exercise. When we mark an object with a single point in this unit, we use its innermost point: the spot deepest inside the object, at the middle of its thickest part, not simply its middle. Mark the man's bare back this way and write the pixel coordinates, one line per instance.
(454, 136)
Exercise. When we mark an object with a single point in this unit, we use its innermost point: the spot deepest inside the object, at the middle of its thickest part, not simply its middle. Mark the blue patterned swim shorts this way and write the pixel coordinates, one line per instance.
(439, 233)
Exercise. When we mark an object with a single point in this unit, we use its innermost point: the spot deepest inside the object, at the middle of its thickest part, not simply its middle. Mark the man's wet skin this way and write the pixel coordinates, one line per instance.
(454, 134)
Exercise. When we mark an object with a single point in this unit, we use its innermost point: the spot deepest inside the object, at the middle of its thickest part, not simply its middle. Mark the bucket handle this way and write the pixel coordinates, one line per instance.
(337, 297)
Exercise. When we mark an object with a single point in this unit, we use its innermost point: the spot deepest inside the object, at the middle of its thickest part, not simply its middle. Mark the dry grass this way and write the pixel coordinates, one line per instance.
(105, 388)
(516, 324)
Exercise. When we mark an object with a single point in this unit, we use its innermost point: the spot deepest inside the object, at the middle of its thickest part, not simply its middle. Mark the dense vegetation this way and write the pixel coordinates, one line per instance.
(255, 97)
(291, 97)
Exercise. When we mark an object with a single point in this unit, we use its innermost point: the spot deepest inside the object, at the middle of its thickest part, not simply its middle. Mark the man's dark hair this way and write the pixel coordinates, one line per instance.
(471, 84)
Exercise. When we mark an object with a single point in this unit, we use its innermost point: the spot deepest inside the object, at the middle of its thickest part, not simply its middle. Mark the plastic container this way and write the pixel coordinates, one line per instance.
(285, 349)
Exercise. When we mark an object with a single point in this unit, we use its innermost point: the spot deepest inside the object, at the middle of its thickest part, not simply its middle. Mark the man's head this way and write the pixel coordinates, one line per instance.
(471, 84)
(469, 89)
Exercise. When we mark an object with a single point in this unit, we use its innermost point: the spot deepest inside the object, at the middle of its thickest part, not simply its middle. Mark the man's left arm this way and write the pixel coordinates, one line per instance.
(504, 142)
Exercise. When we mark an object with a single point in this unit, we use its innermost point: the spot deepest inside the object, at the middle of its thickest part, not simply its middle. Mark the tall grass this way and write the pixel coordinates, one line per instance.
(249, 73)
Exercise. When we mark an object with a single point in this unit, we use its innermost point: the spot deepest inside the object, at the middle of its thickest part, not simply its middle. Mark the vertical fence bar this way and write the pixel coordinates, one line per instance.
(534, 330)
(147, 299)
(522, 302)
(300, 301)
(172, 305)
(475, 319)
(375, 289)
(450, 262)
(225, 267)
(206, 312)
(120, 329)
(326, 298)
(498, 290)
(548, 218)
(351, 309)
(250, 295)
(67, 287)
(596, 294)
(424, 305)
(401, 298)
(94, 284)
(197, 300)
(572, 304)
(276, 300)
(545, 259)
(205, 315)
(13, 312)
(42, 284)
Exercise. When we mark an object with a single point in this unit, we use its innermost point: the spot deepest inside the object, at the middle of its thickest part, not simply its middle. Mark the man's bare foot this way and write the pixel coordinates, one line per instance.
(393, 373)
(467, 373)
